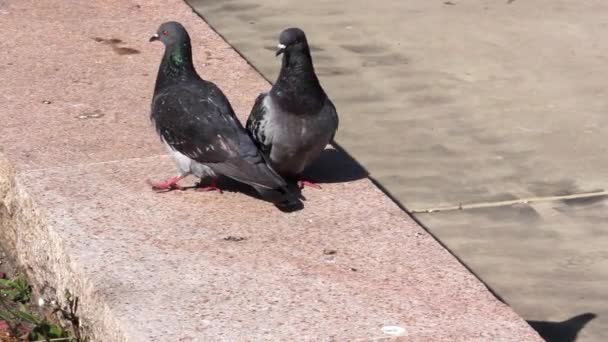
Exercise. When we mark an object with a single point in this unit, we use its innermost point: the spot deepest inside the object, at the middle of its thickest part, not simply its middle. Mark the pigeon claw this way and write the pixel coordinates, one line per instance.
(211, 187)
(208, 188)
(304, 183)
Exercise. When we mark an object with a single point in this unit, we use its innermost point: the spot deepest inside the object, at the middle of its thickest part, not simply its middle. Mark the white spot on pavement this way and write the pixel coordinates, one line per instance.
(394, 330)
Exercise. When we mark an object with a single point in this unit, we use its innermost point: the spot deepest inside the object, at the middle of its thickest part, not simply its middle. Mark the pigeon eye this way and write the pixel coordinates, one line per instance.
(165, 33)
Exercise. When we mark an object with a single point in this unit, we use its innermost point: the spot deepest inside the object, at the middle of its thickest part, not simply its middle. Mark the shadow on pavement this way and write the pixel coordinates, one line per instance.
(565, 331)
(335, 166)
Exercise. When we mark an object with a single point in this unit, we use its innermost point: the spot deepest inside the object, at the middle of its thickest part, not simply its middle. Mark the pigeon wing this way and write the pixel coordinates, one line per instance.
(194, 125)
(333, 114)
(205, 128)
(256, 124)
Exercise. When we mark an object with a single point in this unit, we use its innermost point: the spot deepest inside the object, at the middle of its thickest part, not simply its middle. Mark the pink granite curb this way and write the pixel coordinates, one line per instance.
(76, 212)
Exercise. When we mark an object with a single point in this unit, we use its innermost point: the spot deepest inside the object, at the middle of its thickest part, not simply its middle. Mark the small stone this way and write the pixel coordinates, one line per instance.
(46, 102)
(235, 238)
(328, 251)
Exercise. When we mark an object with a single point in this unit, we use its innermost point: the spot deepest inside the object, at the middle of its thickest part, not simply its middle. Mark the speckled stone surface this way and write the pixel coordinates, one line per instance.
(188, 266)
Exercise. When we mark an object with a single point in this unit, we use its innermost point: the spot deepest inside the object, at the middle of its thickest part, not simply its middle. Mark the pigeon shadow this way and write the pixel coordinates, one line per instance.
(335, 165)
(565, 331)
(230, 185)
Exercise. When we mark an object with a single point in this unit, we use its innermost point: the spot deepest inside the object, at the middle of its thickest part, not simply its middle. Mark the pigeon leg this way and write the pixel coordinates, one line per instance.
(303, 183)
(211, 187)
(167, 185)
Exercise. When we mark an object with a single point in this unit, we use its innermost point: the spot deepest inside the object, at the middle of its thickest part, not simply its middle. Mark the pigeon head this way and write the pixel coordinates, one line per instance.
(177, 59)
(297, 88)
(292, 39)
(171, 33)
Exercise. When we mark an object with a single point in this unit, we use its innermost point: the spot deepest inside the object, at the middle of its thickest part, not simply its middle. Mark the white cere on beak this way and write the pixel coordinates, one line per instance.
(155, 35)
(281, 46)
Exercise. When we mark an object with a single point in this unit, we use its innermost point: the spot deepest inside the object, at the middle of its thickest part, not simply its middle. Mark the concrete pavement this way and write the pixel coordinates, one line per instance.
(76, 212)
(470, 102)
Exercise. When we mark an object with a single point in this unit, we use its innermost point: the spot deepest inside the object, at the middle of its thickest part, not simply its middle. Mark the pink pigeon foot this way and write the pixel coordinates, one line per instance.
(304, 183)
(211, 187)
(167, 185)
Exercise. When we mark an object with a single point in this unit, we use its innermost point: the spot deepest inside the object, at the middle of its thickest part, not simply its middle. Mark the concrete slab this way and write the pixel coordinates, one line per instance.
(464, 102)
(483, 101)
(539, 267)
(165, 261)
(102, 114)
(186, 266)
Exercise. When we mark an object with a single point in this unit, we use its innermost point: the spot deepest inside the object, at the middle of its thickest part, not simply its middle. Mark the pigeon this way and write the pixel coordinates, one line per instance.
(198, 126)
(293, 122)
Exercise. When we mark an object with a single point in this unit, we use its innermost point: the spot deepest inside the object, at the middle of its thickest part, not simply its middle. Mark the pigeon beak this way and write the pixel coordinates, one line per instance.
(154, 37)
(281, 49)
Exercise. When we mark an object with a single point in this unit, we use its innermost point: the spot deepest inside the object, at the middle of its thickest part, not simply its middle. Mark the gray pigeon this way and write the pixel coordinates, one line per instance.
(293, 123)
(198, 125)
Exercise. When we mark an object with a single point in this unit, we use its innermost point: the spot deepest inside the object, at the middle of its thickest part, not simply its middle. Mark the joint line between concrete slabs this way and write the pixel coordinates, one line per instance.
(507, 203)
(92, 164)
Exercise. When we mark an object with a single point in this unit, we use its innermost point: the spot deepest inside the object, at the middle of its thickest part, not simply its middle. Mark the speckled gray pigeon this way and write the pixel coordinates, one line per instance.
(198, 125)
(293, 123)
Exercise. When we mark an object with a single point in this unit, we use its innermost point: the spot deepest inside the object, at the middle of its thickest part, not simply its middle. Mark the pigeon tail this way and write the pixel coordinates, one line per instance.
(264, 180)
(258, 175)
(283, 198)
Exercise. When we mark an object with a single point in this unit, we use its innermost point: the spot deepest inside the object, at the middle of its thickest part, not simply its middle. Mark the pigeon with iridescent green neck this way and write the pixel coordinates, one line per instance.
(198, 126)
